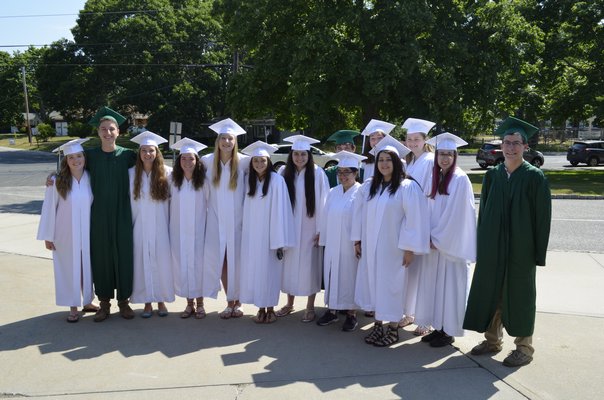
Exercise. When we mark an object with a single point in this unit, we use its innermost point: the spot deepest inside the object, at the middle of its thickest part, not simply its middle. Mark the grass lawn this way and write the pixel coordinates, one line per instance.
(581, 182)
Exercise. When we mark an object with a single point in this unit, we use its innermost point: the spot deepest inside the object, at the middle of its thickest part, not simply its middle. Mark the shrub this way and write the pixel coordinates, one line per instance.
(45, 131)
(80, 129)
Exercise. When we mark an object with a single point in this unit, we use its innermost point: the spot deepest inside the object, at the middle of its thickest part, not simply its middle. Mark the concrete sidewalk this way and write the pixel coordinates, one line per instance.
(43, 356)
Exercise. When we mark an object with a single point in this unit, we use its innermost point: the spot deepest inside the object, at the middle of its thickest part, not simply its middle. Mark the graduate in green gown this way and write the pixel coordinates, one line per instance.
(344, 140)
(513, 232)
(111, 216)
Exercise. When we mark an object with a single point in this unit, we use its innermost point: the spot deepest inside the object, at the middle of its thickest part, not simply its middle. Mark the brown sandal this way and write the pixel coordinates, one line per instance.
(260, 317)
(190, 310)
(270, 317)
(200, 313)
(285, 310)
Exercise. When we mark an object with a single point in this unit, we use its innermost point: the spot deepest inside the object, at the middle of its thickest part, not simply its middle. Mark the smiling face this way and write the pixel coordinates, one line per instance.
(108, 131)
(375, 137)
(187, 163)
(445, 159)
(148, 153)
(513, 148)
(300, 159)
(260, 165)
(226, 142)
(347, 177)
(415, 142)
(76, 163)
(385, 165)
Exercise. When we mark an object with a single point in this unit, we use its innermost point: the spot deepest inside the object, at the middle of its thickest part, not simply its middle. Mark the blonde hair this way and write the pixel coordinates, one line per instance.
(428, 148)
(217, 165)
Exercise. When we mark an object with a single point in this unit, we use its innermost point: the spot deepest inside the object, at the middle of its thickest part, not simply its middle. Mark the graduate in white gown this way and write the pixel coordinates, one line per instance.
(340, 263)
(390, 230)
(65, 228)
(307, 186)
(188, 210)
(226, 172)
(150, 201)
(420, 162)
(445, 273)
(375, 131)
(267, 232)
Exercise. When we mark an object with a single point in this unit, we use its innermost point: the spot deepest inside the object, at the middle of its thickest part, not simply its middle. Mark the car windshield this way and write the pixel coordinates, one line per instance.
(579, 146)
(490, 146)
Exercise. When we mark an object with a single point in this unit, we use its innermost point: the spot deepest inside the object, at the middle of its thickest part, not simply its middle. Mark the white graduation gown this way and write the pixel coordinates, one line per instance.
(445, 280)
(367, 170)
(188, 209)
(223, 225)
(340, 263)
(420, 170)
(303, 263)
(66, 223)
(152, 278)
(267, 226)
(387, 225)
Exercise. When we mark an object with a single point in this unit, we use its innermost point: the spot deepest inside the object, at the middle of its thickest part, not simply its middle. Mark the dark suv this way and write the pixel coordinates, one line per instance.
(590, 152)
(491, 154)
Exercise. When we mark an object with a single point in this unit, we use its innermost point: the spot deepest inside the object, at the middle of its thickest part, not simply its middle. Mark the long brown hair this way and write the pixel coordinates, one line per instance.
(398, 174)
(64, 178)
(199, 173)
(253, 178)
(217, 165)
(160, 190)
(289, 174)
(440, 182)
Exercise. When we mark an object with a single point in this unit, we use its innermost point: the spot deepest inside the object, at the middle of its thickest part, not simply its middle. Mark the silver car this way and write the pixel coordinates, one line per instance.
(321, 158)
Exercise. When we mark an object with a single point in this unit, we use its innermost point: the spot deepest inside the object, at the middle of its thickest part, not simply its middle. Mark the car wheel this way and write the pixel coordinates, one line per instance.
(574, 163)
(483, 165)
(278, 165)
(330, 164)
(592, 162)
(537, 162)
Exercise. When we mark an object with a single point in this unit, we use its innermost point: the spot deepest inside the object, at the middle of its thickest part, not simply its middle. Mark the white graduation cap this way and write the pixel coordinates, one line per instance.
(301, 142)
(227, 126)
(187, 145)
(71, 147)
(390, 143)
(375, 125)
(148, 138)
(416, 125)
(259, 149)
(446, 141)
(348, 160)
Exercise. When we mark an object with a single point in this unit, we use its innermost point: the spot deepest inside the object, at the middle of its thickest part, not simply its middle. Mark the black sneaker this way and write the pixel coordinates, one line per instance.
(327, 318)
(435, 334)
(350, 324)
(442, 341)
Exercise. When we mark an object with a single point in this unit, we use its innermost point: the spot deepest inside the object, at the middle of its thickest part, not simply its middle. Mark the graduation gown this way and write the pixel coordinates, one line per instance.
(303, 263)
(444, 279)
(340, 263)
(111, 221)
(153, 280)
(223, 225)
(513, 232)
(188, 210)
(420, 170)
(388, 225)
(66, 223)
(267, 226)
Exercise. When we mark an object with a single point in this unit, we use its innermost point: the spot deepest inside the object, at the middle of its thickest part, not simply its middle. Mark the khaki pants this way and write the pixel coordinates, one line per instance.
(494, 335)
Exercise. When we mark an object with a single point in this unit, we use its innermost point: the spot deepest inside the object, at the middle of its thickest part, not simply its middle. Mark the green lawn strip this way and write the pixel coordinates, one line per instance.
(578, 182)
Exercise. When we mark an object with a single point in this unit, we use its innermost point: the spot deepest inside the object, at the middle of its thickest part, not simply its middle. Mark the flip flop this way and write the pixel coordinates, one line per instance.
(309, 315)
(285, 310)
(72, 318)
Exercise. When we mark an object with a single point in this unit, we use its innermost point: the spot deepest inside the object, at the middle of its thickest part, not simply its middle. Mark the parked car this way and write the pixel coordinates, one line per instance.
(321, 158)
(490, 154)
(590, 152)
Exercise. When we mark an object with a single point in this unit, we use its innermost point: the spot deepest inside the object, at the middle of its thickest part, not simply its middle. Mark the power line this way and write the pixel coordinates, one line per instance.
(83, 13)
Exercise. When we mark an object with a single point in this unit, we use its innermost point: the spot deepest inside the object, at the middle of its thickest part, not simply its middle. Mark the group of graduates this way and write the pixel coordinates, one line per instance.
(393, 237)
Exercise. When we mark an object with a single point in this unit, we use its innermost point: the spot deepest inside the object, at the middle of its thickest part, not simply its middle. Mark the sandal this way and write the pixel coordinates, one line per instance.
(309, 315)
(407, 320)
(200, 313)
(389, 338)
(226, 313)
(285, 310)
(377, 333)
(90, 308)
(260, 317)
(190, 310)
(422, 330)
(73, 317)
(270, 317)
(237, 312)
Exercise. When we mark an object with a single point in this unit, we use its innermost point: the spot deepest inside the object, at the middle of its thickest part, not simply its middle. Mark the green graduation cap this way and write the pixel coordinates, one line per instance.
(343, 136)
(106, 113)
(512, 125)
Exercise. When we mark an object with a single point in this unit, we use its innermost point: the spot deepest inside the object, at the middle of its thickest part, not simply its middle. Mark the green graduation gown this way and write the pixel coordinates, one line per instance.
(111, 222)
(513, 232)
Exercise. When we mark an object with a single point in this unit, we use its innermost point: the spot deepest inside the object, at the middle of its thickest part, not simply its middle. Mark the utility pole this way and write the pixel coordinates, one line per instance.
(26, 105)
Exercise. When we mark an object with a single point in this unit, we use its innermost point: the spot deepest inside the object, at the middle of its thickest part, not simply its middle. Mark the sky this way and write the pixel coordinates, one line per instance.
(16, 29)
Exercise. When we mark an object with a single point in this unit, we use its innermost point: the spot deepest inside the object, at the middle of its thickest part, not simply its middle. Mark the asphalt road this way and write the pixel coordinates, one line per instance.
(577, 225)
(557, 161)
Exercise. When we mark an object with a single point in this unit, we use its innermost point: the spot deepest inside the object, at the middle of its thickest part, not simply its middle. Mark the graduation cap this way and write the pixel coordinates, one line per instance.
(512, 125)
(259, 149)
(187, 145)
(390, 143)
(375, 125)
(227, 126)
(343, 136)
(348, 160)
(106, 113)
(446, 141)
(416, 125)
(148, 138)
(301, 142)
(71, 147)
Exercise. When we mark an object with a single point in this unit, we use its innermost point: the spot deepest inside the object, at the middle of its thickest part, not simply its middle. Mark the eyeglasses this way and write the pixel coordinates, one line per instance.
(515, 144)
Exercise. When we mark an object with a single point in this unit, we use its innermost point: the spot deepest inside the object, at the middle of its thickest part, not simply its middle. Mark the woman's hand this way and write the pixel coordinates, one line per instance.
(49, 180)
(49, 245)
(357, 249)
(407, 258)
(280, 253)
